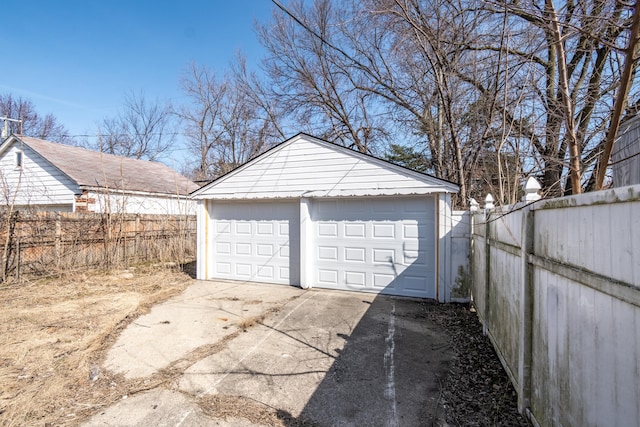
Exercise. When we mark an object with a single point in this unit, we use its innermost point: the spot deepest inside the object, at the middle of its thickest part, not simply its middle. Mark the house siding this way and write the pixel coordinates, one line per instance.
(306, 168)
(36, 183)
(118, 202)
(626, 154)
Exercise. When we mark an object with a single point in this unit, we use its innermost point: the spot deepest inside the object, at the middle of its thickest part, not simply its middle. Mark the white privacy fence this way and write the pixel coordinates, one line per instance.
(458, 262)
(556, 285)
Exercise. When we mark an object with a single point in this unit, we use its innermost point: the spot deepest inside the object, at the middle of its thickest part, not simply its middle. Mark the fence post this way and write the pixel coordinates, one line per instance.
(487, 273)
(137, 238)
(18, 257)
(525, 349)
(58, 240)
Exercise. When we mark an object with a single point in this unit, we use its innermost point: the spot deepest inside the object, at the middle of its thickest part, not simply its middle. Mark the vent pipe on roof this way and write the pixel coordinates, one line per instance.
(5, 127)
(5, 130)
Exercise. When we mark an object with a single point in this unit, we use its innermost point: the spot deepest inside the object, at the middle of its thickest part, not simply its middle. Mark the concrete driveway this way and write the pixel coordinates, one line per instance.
(256, 354)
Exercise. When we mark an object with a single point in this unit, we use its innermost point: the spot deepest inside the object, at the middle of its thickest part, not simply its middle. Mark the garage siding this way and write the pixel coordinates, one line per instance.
(307, 167)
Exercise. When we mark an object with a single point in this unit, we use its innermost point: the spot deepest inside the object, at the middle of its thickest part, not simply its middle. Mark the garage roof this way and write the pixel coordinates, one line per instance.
(305, 166)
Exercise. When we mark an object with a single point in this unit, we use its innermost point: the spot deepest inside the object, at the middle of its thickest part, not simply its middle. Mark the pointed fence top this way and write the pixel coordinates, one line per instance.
(531, 188)
(488, 202)
(474, 206)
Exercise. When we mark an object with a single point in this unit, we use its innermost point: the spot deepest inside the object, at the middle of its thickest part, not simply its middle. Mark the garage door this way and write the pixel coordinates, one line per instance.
(377, 245)
(256, 242)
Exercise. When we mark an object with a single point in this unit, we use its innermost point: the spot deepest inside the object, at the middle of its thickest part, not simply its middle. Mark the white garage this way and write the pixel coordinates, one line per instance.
(311, 213)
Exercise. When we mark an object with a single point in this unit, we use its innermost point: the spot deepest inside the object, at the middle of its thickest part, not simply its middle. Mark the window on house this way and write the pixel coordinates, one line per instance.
(18, 159)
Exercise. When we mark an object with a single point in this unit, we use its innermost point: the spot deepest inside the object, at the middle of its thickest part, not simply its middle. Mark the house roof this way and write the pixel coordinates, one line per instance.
(94, 169)
(305, 166)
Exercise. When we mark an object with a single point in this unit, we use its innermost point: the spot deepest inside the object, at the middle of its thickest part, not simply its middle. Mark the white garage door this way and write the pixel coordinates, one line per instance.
(256, 242)
(377, 245)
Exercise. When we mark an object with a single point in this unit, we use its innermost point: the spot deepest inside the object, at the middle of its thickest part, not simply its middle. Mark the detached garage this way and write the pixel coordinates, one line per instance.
(311, 213)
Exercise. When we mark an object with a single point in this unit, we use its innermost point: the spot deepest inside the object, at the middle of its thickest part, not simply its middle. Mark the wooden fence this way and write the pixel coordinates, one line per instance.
(45, 243)
(556, 285)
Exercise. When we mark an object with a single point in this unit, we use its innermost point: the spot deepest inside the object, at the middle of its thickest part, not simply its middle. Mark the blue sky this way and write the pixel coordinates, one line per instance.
(77, 59)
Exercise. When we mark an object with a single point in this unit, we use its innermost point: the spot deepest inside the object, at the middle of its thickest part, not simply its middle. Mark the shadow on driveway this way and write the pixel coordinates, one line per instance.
(388, 373)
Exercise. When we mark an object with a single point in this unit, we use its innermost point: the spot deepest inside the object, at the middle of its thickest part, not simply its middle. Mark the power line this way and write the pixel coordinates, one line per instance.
(315, 34)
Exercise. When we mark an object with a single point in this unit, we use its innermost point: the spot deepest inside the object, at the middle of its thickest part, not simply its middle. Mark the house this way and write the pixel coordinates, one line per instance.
(312, 213)
(625, 157)
(46, 176)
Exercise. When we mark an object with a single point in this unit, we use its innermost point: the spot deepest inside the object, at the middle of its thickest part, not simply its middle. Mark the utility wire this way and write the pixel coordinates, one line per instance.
(315, 34)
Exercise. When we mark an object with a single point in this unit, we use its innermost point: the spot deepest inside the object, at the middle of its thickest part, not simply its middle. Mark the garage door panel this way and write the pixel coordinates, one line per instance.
(411, 231)
(352, 254)
(243, 249)
(327, 229)
(264, 250)
(223, 268)
(264, 229)
(243, 270)
(381, 281)
(415, 283)
(384, 256)
(376, 244)
(328, 277)
(223, 227)
(265, 273)
(223, 248)
(417, 258)
(355, 279)
(243, 228)
(252, 241)
(384, 231)
(328, 253)
(284, 251)
(354, 230)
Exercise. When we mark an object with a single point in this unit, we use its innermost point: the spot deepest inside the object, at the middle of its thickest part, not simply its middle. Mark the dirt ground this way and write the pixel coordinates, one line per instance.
(54, 334)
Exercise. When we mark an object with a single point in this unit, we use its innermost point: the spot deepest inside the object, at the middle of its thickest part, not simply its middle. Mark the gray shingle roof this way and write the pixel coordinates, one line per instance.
(93, 169)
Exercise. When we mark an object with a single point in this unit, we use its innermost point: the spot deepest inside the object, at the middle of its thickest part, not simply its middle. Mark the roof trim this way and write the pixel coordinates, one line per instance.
(453, 187)
(132, 192)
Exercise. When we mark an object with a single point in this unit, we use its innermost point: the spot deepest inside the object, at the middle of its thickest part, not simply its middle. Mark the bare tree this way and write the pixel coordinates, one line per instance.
(33, 124)
(142, 130)
(571, 52)
(312, 77)
(228, 122)
(621, 98)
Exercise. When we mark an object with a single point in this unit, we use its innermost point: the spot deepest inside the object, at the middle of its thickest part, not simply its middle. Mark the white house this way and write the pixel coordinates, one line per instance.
(314, 214)
(47, 176)
(626, 154)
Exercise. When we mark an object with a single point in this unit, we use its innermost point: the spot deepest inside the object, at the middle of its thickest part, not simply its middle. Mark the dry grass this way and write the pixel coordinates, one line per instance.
(55, 331)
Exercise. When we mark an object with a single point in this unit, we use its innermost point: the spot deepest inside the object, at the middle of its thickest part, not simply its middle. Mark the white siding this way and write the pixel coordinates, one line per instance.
(306, 167)
(458, 259)
(625, 155)
(36, 183)
(118, 202)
